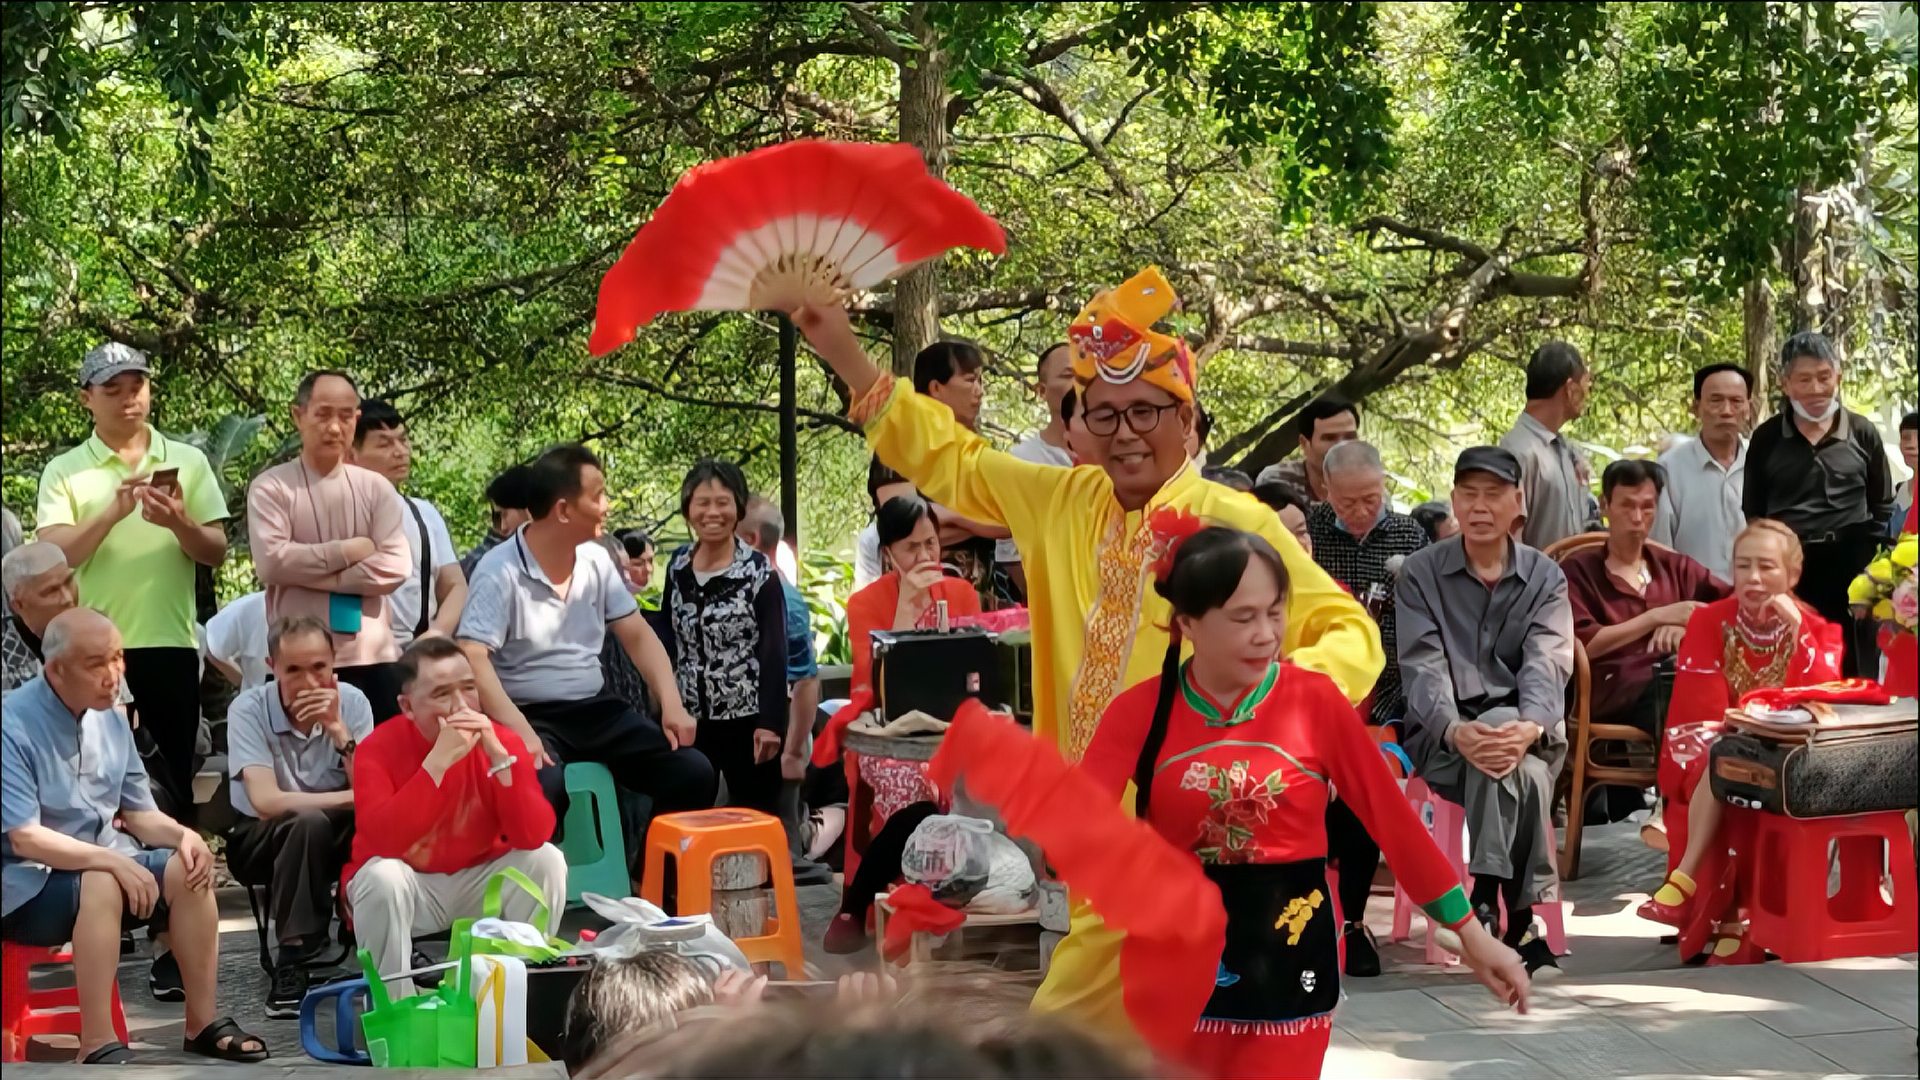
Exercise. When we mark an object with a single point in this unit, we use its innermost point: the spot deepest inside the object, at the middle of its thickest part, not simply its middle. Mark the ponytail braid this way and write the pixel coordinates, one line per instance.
(1157, 731)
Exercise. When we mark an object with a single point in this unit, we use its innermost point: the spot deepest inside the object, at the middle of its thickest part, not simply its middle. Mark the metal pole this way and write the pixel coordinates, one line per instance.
(790, 431)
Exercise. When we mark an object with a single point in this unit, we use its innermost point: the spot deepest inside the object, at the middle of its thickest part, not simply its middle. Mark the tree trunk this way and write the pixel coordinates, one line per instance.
(923, 111)
(1762, 353)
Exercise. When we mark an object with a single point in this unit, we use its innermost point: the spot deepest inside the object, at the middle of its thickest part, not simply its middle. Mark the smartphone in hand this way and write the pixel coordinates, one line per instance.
(167, 480)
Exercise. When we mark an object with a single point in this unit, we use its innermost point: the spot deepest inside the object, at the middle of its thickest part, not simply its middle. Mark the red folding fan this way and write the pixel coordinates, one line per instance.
(804, 221)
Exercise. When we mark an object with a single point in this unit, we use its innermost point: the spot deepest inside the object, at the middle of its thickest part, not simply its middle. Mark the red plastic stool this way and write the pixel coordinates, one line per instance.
(1790, 913)
(25, 1012)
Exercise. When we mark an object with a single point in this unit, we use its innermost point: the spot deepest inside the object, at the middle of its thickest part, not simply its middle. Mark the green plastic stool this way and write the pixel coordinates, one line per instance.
(590, 838)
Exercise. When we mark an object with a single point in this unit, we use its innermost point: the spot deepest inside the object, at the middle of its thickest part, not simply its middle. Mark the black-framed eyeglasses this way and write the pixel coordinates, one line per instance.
(1141, 418)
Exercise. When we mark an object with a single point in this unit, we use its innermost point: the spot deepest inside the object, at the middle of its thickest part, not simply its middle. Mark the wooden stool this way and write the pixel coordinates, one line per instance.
(696, 839)
(920, 945)
(1789, 911)
(25, 1012)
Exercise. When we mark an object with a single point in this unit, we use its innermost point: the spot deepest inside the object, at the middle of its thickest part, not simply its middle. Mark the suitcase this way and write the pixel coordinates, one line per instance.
(933, 672)
(1840, 760)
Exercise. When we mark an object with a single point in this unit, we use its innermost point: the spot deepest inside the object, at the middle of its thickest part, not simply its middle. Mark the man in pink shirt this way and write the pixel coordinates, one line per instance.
(328, 539)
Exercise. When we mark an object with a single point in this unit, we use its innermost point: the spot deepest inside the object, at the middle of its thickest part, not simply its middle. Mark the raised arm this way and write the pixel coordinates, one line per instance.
(919, 438)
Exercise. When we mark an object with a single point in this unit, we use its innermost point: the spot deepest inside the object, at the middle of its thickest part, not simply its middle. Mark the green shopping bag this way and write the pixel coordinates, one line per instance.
(427, 1031)
(552, 948)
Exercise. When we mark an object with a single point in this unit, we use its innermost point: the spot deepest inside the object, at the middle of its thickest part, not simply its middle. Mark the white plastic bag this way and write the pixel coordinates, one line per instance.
(639, 926)
(1010, 885)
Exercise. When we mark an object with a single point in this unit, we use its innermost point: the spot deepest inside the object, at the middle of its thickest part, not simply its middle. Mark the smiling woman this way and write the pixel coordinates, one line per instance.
(726, 616)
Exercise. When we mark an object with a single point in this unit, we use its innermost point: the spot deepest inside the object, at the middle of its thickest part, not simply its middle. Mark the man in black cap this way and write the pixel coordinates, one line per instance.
(509, 495)
(1486, 647)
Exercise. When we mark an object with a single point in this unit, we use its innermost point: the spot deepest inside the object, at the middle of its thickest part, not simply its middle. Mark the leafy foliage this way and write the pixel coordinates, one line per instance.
(1389, 201)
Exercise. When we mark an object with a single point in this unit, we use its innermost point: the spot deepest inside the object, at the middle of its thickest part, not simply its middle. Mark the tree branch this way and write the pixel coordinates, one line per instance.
(652, 387)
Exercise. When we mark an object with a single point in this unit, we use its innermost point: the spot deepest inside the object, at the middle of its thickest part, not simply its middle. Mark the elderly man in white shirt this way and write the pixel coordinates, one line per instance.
(1700, 508)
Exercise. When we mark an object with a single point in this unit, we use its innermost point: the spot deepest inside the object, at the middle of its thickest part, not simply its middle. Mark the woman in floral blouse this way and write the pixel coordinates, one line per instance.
(727, 633)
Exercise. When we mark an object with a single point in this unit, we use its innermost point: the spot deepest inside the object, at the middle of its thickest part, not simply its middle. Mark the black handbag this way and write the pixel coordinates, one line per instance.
(1852, 762)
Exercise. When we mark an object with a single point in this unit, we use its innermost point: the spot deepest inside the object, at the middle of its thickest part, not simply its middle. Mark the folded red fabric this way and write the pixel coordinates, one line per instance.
(915, 911)
(1838, 692)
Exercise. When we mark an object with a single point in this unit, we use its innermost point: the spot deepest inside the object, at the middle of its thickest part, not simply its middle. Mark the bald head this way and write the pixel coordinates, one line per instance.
(84, 662)
(78, 629)
(763, 526)
(38, 584)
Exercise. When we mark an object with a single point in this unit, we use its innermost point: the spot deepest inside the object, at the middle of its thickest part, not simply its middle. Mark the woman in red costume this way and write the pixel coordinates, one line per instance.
(905, 598)
(1760, 637)
(1230, 965)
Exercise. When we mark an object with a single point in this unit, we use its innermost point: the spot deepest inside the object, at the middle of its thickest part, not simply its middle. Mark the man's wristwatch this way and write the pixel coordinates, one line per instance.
(347, 748)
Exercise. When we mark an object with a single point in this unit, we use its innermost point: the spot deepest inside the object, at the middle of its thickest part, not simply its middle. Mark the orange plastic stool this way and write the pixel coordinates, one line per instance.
(25, 1012)
(1790, 913)
(695, 839)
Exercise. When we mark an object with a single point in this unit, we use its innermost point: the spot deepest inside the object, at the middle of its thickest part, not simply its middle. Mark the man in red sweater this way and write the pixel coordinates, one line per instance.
(444, 798)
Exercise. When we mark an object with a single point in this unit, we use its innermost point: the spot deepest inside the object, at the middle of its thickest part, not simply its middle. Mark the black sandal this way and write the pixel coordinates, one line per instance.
(109, 1053)
(209, 1043)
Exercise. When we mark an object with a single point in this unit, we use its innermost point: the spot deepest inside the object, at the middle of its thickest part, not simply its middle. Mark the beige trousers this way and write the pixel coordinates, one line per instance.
(392, 902)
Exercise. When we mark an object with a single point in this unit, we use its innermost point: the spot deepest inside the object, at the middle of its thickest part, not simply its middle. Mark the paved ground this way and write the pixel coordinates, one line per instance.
(1624, 1007)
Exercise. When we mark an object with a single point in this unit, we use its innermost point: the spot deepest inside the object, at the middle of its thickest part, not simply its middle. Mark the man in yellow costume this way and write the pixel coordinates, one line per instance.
(1086, 539)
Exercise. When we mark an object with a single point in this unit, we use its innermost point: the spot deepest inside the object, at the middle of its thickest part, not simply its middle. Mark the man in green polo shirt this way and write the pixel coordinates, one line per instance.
(134, 511)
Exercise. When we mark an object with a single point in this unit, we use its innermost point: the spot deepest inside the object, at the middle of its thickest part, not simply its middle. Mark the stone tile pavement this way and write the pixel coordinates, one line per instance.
(1624, 1007)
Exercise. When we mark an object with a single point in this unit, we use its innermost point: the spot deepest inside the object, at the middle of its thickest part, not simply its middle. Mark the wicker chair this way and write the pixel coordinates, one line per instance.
(1585, 771)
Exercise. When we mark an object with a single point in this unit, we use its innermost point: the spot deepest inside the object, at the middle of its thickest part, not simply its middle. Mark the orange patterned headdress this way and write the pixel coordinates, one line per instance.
(1113, 338)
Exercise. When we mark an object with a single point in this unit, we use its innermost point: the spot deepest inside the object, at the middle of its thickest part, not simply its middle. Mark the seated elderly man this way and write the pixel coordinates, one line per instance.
(38, 585)
(1631, 599)
(290, 749)
(443, 798)
(1486, 646)
(68, 770)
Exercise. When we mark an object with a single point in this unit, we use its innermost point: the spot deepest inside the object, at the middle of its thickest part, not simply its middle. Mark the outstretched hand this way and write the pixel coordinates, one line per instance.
(1497, 966)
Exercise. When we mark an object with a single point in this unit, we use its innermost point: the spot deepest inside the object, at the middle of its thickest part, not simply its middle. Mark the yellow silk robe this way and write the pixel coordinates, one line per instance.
(1098, 625)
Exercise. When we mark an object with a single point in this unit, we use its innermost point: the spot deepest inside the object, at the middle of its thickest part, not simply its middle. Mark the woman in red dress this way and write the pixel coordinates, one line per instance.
(908, 597)
(1760, 637)
(1232, 970)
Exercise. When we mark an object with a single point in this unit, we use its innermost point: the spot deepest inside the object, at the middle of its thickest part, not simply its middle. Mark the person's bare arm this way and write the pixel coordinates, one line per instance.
(650, 659)
(801, 710)
(227, 671)
(153, 828)
(956, 528)
(450, 594)
(80, 540)
(263, 791)
(1611, 639)
(60, 851)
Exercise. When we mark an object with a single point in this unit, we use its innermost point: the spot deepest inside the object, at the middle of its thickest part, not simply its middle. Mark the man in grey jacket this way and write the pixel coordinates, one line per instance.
(1486, 646)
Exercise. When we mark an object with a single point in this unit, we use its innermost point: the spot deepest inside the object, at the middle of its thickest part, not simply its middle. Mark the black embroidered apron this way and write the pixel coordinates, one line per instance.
(1279, 973)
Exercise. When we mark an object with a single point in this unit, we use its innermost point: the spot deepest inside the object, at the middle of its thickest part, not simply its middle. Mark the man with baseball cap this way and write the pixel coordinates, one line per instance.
(1486, 646)
(135, 511)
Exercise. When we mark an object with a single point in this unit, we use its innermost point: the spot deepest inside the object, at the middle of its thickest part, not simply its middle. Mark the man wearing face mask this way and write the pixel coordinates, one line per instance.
(328, 541)
(1087, 539)
(1821, 470)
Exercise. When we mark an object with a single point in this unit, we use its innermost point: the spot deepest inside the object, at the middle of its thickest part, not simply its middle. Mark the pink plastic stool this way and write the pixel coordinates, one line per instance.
(1447, 823)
